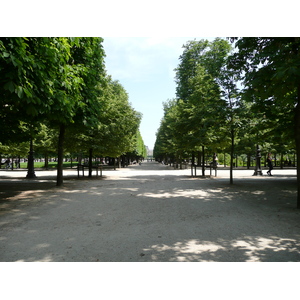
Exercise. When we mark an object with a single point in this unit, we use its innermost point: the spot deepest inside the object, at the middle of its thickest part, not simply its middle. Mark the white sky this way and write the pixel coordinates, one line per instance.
(145, 67)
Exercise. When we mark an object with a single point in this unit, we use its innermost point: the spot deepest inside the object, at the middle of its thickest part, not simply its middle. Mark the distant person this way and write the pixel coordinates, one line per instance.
(17, 163)
(270, 164)
(215, 160)
(7, 162)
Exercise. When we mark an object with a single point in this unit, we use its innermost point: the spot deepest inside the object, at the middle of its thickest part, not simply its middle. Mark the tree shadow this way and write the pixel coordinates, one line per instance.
(155, 219)
(18, 194)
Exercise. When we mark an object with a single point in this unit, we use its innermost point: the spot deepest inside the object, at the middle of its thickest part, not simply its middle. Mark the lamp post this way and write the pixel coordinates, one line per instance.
(258, 171)
(30, 172)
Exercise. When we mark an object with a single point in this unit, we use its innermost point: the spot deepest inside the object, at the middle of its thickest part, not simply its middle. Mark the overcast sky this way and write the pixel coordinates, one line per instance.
(145, 67)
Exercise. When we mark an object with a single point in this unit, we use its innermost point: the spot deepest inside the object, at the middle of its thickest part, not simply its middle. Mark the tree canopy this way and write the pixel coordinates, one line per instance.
(235, 99)
(271, 75)
(199, 108)
(59, 86)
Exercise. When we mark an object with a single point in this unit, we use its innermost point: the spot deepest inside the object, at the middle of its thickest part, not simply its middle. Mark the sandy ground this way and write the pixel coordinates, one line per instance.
(149, 213)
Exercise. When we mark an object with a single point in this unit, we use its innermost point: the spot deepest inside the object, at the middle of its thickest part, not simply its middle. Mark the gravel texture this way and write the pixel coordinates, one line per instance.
(149, 213)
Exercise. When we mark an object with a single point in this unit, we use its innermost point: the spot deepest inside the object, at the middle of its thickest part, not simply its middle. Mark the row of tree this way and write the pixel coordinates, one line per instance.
(232, 95)
(57, 91)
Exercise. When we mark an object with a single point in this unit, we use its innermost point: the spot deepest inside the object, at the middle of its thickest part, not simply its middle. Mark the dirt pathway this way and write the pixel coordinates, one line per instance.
(152, 213)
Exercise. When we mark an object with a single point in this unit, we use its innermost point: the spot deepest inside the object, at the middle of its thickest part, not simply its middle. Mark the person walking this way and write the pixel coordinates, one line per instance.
(7, 162)
(270, 164)
(215, 160)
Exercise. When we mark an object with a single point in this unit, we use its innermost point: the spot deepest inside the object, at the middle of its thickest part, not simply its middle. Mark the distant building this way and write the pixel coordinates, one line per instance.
(149, 153)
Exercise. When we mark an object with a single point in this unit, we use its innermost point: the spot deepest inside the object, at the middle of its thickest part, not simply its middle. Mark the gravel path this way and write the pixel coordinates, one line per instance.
(150, 213)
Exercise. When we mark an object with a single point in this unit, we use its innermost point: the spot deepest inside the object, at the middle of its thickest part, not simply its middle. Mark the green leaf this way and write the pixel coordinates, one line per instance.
(19, 91)
(28, 93)
(10, 86)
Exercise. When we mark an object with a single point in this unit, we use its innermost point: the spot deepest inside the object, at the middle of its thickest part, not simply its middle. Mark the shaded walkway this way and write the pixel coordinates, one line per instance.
(154, 213)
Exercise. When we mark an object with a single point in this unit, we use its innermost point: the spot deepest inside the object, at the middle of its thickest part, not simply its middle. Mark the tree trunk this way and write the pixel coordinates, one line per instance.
(60, 155)
(248, 161)
(203, 161)
(281, 160)
(231, 156)
(46, 161)
(90, 162)
(193, 162)
(180, 161)
(297, 135)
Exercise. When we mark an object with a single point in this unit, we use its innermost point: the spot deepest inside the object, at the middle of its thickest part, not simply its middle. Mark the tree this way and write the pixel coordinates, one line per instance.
(46, 142)
(56, 78)
(235, 110)
(114, 129)
(192, 53)
(119, 122)
(165, 144)
(140, 148)
(35, 73)
(271, 72)
(198, 88)
(86, 56)
(208, 111)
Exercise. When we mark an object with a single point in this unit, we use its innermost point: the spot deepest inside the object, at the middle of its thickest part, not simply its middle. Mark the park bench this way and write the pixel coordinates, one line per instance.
(211, 167)
(96, 167)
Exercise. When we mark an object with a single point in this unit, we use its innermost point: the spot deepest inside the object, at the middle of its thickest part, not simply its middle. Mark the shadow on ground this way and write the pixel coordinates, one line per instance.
(153, 218)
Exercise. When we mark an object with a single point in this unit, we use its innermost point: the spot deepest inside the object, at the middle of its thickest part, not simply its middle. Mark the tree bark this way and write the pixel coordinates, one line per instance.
(248, 161)
(180, 160)
(193, 162)
(60, 155)
(90, 162)
(46, 161)
(231, 156)
(203, 161)
(297, 135)
(281, 160)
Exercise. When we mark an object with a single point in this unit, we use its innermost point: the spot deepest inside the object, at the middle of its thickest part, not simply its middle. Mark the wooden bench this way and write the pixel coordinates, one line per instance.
(210, 166)
(81, 167)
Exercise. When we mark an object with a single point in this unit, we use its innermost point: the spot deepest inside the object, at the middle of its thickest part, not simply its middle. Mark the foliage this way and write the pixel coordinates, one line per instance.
(271, 75)
(53, 86)
(192, 121)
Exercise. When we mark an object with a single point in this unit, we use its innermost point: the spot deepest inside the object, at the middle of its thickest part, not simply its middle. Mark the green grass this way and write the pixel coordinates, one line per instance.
(51, 165)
